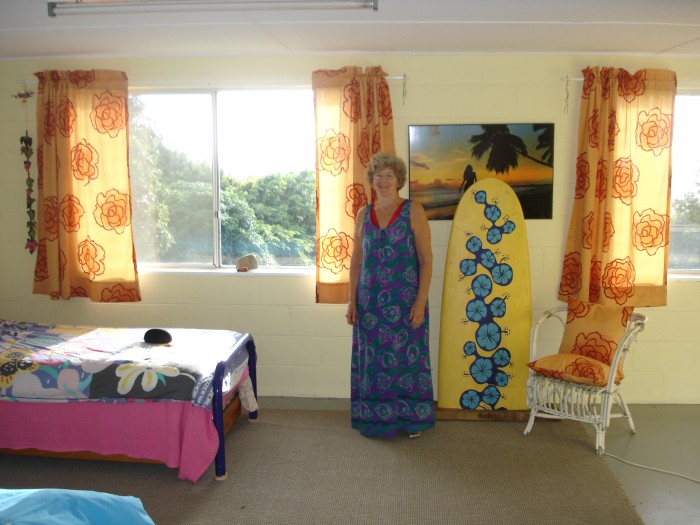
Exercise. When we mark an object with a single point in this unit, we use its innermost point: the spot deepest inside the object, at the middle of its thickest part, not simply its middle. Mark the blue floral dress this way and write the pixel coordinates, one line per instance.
(391, 382)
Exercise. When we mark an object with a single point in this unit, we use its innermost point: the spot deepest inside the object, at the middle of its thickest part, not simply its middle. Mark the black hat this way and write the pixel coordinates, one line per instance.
(157, 336)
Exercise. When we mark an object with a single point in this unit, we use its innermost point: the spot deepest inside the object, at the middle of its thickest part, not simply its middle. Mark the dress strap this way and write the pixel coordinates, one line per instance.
(395, 216)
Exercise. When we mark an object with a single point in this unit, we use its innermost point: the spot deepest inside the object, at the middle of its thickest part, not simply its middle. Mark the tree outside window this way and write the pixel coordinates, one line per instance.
(684, 251)
(221, 174)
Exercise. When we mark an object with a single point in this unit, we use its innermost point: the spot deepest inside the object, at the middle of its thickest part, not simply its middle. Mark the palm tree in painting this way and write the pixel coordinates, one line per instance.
(505, 148)
(545, 141)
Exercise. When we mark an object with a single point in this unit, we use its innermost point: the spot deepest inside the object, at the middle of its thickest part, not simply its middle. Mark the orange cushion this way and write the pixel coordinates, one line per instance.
(594, 330)
(574, 368)
(588, 345)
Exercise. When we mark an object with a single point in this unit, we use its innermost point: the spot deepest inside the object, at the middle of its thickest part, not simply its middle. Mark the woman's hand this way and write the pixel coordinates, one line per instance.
(417, 316)
(351, 315)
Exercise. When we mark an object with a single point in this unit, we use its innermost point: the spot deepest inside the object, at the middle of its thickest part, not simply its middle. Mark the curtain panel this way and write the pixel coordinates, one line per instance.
(354, 120)
(617, 243)
(86, 246)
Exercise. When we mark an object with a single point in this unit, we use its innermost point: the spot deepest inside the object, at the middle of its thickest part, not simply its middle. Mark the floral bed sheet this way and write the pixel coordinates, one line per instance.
(61, 363)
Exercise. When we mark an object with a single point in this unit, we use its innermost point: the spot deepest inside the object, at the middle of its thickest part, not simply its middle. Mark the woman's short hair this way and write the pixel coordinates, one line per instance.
(384, 160)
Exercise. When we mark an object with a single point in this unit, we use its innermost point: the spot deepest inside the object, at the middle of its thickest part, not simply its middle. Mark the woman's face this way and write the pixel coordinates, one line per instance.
(385, 183)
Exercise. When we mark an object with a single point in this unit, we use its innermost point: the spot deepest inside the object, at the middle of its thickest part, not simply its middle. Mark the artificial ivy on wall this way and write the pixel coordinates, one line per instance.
(27, 152)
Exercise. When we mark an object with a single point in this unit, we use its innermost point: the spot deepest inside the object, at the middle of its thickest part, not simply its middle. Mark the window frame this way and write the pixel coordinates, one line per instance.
(683, 274)
(216, 265)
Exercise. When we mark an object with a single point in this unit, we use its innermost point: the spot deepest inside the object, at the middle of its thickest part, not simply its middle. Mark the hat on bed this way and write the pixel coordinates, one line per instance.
(157, 336)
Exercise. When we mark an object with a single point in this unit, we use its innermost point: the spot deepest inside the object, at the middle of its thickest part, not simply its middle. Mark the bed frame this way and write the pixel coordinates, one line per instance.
(223, 422)
(225, 412)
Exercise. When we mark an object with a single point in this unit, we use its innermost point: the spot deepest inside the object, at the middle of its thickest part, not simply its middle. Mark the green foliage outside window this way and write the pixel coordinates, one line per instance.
(272, 217)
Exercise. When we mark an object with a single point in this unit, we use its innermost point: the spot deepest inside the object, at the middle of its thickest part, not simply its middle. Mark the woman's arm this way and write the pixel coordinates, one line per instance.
(355, 267)
(424, 250)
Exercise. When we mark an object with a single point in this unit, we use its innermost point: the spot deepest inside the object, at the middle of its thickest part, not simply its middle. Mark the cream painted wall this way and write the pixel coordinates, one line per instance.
(304, 348)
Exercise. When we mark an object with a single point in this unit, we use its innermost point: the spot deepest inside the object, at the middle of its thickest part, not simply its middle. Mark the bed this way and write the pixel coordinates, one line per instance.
(104, 393)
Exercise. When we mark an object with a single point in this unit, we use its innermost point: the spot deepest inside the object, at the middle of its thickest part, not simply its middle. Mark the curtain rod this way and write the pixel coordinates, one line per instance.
(680, 84)
(403, 77)
(567, 79)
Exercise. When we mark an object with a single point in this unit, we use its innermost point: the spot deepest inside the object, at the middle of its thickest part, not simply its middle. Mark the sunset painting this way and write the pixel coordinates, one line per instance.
(444, 160)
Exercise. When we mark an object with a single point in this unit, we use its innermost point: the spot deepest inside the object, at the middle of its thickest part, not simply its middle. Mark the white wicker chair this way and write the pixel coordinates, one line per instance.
(556, 399)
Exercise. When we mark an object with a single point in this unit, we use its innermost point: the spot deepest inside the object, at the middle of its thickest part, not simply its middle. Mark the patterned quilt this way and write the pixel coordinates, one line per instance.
(41, 362)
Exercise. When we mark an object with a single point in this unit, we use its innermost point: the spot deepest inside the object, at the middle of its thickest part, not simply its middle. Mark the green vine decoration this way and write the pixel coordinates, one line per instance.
(27, 152)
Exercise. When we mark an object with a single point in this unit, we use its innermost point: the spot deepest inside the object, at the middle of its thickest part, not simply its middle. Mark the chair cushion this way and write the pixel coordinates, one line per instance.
(574, 368)
(588, 345)
(593, 330)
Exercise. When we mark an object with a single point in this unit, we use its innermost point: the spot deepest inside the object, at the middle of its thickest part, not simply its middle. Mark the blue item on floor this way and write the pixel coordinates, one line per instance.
(70, 507)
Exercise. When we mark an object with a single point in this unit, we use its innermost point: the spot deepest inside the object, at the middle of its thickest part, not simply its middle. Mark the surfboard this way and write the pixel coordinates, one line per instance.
(486, 308)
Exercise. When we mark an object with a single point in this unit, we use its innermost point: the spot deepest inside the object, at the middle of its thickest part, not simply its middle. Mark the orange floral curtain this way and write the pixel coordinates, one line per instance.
(354, 121)
(617, 245)
(86, 246)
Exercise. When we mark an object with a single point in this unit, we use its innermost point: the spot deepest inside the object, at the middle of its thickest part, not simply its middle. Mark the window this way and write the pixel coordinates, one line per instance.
(221, 174)
(684, 251)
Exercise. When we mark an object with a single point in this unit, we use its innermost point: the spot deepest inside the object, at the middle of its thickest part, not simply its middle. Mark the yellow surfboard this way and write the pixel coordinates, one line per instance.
(486, 306)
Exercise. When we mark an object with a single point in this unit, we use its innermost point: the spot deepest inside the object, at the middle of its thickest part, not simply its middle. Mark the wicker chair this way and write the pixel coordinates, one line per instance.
(558, 399)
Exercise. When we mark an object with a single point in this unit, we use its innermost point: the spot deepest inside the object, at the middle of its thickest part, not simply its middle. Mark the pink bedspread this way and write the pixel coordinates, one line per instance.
(189, 442)
(104, 390)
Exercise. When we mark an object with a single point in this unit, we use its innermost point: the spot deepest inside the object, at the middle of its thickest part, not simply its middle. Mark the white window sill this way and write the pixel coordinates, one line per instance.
(210, 270)
(684, 275)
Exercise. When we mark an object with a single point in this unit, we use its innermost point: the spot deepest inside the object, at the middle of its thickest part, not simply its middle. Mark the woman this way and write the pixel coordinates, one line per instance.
(468, 178)
(390, 272)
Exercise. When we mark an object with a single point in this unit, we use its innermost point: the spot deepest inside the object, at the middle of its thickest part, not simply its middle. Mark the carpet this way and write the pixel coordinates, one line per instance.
(302, 467)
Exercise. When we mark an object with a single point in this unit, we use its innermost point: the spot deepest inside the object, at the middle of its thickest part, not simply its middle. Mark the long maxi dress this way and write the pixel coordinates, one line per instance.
(391, 381)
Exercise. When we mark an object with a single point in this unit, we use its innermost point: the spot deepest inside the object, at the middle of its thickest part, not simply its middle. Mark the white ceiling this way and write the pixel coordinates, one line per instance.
(640, 27)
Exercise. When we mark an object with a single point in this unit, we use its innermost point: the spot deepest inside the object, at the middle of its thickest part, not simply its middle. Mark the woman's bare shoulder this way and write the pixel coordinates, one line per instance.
(417, 209)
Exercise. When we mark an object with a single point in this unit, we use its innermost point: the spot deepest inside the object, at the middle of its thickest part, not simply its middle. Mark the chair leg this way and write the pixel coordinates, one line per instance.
(600, 440)
(530, 422)
(626, 412)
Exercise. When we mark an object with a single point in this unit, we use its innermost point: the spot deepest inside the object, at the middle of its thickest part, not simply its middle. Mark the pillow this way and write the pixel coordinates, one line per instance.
(593, 330)
(76, 507)
(574, 368)
(588, 345)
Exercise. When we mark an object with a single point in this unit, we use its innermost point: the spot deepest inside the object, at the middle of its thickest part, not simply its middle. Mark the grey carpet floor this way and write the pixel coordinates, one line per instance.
(309, 467)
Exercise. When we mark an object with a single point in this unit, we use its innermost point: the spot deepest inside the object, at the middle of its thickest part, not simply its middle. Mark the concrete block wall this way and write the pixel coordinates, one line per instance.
(304, 348)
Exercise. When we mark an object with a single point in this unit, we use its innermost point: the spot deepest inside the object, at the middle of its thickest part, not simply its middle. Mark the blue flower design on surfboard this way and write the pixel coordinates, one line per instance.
(489, 358)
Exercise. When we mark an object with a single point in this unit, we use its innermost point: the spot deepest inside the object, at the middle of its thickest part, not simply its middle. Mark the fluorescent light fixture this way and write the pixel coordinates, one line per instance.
(84, 7)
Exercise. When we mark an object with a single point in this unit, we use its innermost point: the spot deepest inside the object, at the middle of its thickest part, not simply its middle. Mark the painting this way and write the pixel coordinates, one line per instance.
(444, 160)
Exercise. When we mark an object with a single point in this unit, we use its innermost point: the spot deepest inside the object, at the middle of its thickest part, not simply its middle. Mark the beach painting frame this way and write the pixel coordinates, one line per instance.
(445, 159)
